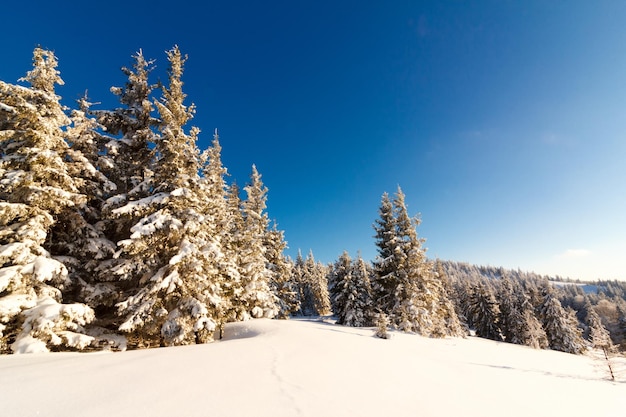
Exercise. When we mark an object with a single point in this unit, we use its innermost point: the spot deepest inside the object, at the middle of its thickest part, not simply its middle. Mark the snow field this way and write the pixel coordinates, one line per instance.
(311, 368)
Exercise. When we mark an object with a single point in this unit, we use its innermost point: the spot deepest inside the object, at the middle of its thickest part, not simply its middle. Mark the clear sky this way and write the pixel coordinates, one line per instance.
(504, 122)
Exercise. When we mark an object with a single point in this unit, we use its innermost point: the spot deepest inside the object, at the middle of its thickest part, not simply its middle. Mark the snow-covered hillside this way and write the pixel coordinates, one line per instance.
(311, 368)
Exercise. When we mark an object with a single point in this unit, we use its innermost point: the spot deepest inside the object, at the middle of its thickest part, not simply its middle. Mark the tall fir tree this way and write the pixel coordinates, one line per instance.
(338, 273)
(599, 336)
(406, 287)
(313, 281)
(484, 312)
(561, 326)
(517, 318)
(36, 188)
(353, 295)
(132, 129)
(280, 272)
(172, 253)
(258, 298)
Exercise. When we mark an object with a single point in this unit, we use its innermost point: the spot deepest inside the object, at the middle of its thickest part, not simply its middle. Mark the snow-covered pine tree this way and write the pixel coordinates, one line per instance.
(257, 296)
(36, 186)
(484, 312)
(133, 130)
(405, 285)
(279, 267)
(233, 241)
(450, 309)
(382, 326)
(173, 253)
(354, 294)
(223, 213)
(338, 273)
(385, 282)
(599, 336)
(518, 323)
(78, 237)
(560, 326)
(299, 280)
(312, 275)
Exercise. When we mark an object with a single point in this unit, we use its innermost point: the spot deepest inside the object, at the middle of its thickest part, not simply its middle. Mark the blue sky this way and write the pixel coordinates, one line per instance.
(504, 122)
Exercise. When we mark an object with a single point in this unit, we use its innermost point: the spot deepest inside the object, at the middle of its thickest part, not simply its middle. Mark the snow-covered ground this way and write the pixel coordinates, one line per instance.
(311, 368)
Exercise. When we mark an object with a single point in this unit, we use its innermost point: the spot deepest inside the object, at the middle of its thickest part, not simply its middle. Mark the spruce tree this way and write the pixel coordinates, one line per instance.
(172, 253)
(518, 322)
(36, 188)
(314, 296)
(406, 287)
(353, 297)
(598, 334)
(259, 300)
(560, 326)
(279, 268)
(484, 312)
(132, 130)
(338, 273)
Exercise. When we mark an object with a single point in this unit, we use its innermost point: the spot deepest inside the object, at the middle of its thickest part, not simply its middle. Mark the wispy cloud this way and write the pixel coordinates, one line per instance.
(574, 254)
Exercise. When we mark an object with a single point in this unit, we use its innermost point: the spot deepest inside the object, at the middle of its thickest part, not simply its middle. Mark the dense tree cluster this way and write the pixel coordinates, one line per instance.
(117, 231)
(113, 222)
(539, 311)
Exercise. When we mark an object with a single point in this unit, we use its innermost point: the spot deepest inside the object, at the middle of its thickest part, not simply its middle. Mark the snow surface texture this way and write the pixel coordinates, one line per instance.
(310, 368)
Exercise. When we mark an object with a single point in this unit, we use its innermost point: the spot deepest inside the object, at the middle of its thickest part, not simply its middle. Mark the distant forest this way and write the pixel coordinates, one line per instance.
(117, 232)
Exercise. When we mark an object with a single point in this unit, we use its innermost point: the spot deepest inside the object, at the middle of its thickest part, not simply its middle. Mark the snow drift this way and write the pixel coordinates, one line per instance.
(311, 368)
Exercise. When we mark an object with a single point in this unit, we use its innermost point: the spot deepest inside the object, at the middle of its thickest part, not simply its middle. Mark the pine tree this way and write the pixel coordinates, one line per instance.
(36, 188)
(299, 280)
(382, 326)
(314, 297)
(518, 323)
(78, 237)
(385, 282)
(280, 272)
(405, 285)
(338, 273)
(484, 312)
(257, 296)
(172, 254)
(133, 131)
(221, 217)
(598, 334)
(354, 295)
(560, 326)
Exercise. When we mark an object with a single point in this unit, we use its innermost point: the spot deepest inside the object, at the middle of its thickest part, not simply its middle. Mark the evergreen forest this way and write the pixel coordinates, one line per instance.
(117, 232)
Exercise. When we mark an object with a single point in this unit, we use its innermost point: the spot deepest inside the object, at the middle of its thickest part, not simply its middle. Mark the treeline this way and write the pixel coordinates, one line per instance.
(438, 298)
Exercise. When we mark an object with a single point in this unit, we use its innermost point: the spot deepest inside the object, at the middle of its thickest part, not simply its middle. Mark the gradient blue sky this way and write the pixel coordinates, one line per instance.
(504, 122)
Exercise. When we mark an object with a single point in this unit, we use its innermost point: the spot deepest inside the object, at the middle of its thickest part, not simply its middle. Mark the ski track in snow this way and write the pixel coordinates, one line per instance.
(309, 369)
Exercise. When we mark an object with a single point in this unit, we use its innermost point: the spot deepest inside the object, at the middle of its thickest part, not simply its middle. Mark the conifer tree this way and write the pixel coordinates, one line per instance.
(598, 334)
(279, 268)
(172, 254)
(353, 297)
(312, 275)
(384, 284)
(257, 296)
(36, 188)
(133, 130)
(484, 312)
(405, 286)
(518, 322)
(338, 273)
(78, 237)
(560, 326)
(299, 280)
(222, 211)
